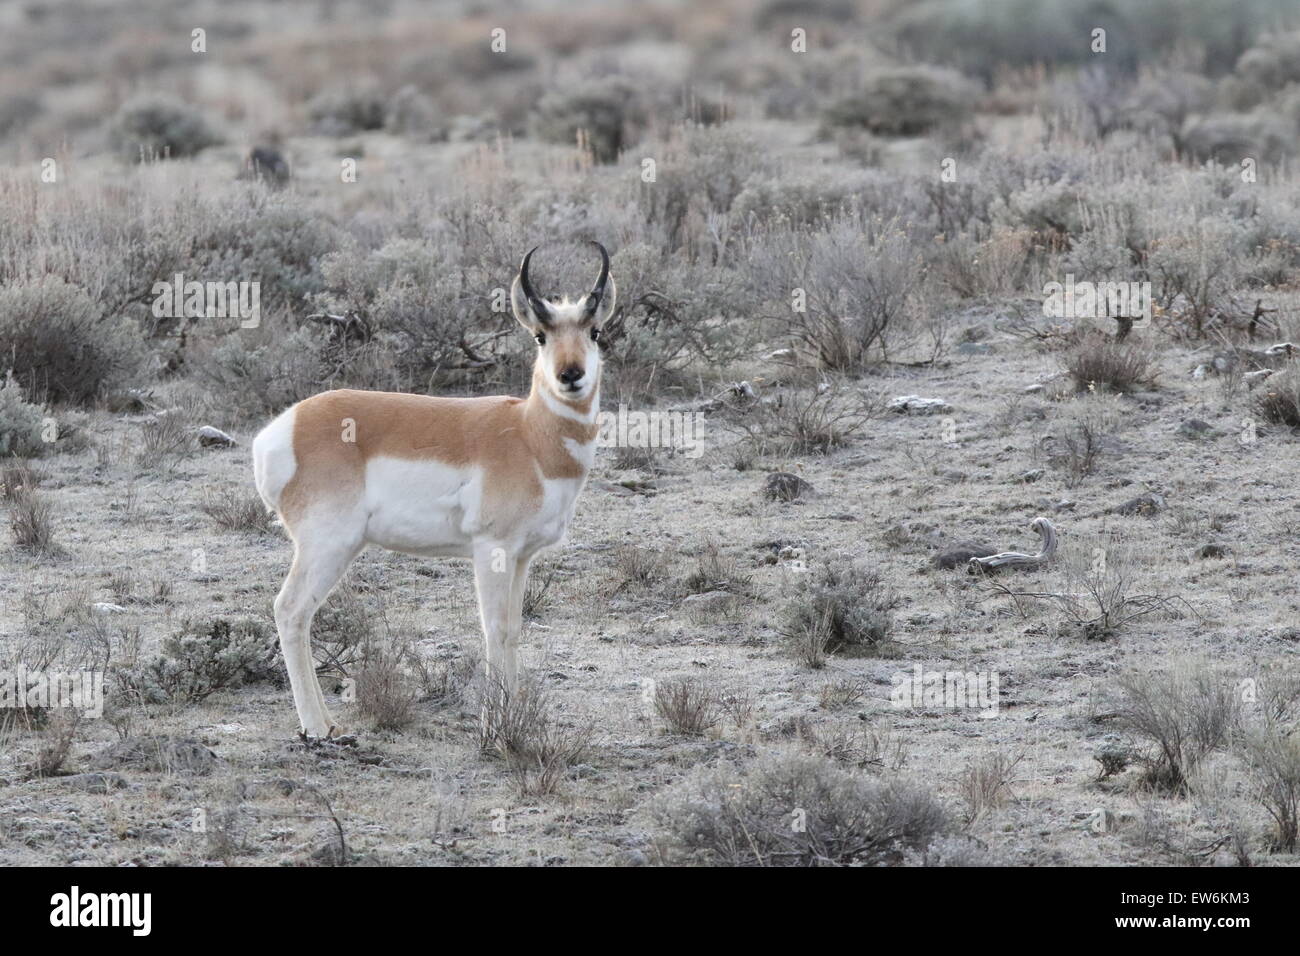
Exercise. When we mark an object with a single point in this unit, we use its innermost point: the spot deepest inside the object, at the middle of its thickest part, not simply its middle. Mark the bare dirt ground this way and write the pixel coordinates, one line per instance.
(427, 795)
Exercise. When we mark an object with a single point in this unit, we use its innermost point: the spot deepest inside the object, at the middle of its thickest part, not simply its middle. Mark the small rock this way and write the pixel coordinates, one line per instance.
(974, 348)
(1026, 477)
(103, 607)
(330, 849)
(1194, 429)
(1147, 504)
(1212, 550)
(633, 857)
(96, 782)
(916, 405)
(210, 437)
(783, 486)
(959, 556)
(1031, 389)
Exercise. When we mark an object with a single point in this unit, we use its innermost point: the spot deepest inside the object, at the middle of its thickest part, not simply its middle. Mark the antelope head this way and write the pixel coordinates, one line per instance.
(567, 332)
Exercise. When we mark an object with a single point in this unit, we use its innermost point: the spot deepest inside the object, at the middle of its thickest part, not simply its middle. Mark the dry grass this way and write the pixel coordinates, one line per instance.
(1279, 401)
(688, 705)
(31, 519)
(1182, 715)
(1104, 364)
(793, 810)
(986, 784)
(237, 510)
(538, 744)
(387, 690)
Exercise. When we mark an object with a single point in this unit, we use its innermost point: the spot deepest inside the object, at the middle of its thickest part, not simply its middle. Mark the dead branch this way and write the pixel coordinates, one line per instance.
(1017, 559)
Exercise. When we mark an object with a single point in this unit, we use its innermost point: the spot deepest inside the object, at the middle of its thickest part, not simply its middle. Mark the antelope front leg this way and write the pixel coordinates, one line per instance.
(494, 574)
(515, 630)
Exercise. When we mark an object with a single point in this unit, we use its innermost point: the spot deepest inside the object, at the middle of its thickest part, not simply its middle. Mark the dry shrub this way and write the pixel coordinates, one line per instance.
(21, 422)
(596, 113)
(1082, 436)
(716, 570)
(31, 518)
(637, 567)
(859, 280)
(688, 705)
(1099, 595)
(986, 783)
(857, 745)
(808, 633)
(341, 629)
(1279, 402)
(537, 744)
(1272, 752)
(165, 440)
(537, 593)
(842, 607)
(842, 692)
(905, 101)
(1183, 715)
(202, 658)
(792, 809)
(1103, 363)
(815, 422)
(158, 126)
(236, 510)
(60, 344)
(56, 745)
(386, 686)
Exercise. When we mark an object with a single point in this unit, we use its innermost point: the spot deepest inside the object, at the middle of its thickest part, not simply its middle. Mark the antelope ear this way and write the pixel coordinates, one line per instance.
(524, 312)
(605, 308)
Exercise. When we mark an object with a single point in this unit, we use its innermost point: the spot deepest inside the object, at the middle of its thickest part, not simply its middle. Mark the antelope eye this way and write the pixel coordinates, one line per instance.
(541, 338)
(595, 335)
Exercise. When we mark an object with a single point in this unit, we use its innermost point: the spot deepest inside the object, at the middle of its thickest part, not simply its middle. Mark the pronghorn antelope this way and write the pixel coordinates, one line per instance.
(493, 479)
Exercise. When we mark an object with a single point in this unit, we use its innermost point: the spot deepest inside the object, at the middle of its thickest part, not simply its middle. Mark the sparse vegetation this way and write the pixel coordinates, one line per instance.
(158, 126)
(238, 510)
(688, 705)
(31, 519)
(1110, 365)
(794, 810)
(538, 743)
(1279, 401)
(1182, 714)
(842, 607)
(202, 658)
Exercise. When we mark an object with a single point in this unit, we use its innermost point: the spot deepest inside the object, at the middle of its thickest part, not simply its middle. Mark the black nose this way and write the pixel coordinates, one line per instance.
(571, 375)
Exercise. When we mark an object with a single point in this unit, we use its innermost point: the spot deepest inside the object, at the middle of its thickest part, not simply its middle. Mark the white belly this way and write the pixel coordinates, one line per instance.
(432, 509)
(421, 507)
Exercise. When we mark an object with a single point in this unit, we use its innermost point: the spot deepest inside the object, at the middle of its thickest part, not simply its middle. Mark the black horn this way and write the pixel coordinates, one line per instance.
(598, 290)
(535, 302)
